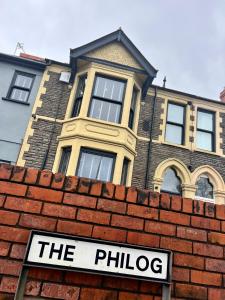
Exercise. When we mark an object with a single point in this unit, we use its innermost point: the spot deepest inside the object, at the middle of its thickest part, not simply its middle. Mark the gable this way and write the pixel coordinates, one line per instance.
(117, 53)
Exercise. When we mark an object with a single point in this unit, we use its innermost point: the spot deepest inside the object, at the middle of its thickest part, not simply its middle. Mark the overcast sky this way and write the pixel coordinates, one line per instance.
(183, 39)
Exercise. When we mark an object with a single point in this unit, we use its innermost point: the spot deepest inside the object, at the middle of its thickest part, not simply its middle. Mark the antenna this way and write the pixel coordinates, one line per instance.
(164, 82)
(19, 46)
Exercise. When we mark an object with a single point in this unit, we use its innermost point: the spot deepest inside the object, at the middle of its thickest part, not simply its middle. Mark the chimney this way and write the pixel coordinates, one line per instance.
(222, 95)
(31, 57)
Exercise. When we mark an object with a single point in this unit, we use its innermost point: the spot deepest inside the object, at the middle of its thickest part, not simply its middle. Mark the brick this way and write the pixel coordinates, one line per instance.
(83, 279)
(120, 192)
(93, 216)
(84, 185)
(190, 291)
(220, 212)
(10, 267)
(47, 275)
(22, 204)
(186, 260)
(38, 222)
(214, 294)
(208, 250)
(96, 188)
(108, 190)
(210, 209)
(11, 188)
(127, 222)
(97, 294)
(32, 288)
(14, 234)
(176, 245)
(187, 205)
(2, 200)
(144, 239)
(191, 233)
(180, 274)
(4, 248)
(31, 176)
(110, 234)
(8, 217)
(58, 181)
(216, 265)
(216, 238)
(223, 226)
(151, 288)
(44, 194)
(8, 285)
(60, 291)
(165, 201)
(205, 223)
(45, 178)
(154, 199)
(18, 251)
(133, 296)
(176, 202)
(174, 217)
(71, 183)
(120, 283)
(111, 205)
(59, 211)
(142, 211)
(5, 171)
(198, 207)
(132, 195)
(142, 197)
(206, 278)
(18, 174)
(80, 200)
(74, 228)
(160, 228)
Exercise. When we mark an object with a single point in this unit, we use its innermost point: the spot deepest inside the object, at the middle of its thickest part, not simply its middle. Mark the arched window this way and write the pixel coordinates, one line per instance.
(171, 182)
(204, 187)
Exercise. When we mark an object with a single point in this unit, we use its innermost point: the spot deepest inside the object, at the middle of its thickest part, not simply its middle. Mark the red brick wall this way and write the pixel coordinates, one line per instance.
(193, 230)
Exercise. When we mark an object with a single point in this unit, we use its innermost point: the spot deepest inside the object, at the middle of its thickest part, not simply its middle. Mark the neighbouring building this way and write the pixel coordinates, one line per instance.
(20, 77)
(101, 117)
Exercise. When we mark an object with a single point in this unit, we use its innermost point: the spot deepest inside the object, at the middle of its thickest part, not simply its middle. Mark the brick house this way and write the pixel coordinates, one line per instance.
(100, 117)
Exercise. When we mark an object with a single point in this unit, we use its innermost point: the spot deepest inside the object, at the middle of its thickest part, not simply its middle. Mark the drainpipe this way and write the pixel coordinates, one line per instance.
(150, 139)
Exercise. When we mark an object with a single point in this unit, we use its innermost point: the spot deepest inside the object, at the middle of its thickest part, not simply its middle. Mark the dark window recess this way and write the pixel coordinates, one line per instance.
(64, 162)
(132, 109)
(79, 96)
(96, 165)
(204, 188)
(205, 130)
(20, 86)
(124, 171)
(107, 99)
(171, 182)
(175, 124)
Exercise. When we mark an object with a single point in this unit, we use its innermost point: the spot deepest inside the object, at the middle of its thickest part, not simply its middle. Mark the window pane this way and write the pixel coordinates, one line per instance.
(64, 160)
(205, 121)
(23, 81)
(204, 188)
(81, 86)
(19, 95)
(171, 182)
(204, 141)
(109, 89)
(174, 134)
(124, 171)
(96, 166)
(105, 110)
(175, 113)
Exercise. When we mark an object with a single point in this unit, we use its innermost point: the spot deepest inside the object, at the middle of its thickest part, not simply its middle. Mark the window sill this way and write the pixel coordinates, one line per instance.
(16, 101)
(205, 199)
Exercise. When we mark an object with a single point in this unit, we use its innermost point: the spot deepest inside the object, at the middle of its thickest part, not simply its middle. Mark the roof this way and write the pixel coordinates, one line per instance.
(121, 37)
(24, 62)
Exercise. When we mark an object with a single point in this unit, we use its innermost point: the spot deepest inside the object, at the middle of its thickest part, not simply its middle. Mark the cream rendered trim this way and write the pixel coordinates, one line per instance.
(141, 138)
